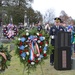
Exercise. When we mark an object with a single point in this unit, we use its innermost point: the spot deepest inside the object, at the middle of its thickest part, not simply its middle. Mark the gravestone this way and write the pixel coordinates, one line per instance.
(5, 40)
(2, 38)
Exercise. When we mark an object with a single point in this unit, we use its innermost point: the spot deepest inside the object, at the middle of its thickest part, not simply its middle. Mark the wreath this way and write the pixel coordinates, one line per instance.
(10, 31)
(5, 57)
(32, 47)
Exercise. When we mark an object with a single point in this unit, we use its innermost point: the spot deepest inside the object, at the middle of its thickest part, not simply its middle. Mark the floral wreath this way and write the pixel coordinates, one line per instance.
(32, 47)
(10, 31)
(5, 57)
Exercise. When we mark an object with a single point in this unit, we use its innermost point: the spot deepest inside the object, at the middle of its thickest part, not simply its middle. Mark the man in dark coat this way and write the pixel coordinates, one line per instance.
(39, 27)
(53, 33)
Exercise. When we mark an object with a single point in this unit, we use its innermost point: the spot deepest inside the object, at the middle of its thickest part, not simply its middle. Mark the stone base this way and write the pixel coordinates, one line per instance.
(5, 40)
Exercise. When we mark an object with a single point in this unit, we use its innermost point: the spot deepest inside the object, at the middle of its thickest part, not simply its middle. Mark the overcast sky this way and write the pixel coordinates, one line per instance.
(57, 5)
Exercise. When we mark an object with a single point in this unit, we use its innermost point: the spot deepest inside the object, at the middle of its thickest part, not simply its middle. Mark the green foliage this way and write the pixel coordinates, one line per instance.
(33, 16)
(21, 32)
(33, 31)
(18, 11)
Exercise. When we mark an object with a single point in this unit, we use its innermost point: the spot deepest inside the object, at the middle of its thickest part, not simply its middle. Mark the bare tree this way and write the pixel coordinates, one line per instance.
(67, 19)
(49, 16)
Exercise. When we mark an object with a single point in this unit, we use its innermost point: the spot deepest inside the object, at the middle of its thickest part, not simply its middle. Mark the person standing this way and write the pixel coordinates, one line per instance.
(70, 29)
(39, 27)
(53, 33)
(47, 28)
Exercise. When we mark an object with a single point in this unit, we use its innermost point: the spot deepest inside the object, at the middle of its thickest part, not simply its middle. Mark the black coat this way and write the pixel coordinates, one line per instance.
(53, 33)
(39, 28)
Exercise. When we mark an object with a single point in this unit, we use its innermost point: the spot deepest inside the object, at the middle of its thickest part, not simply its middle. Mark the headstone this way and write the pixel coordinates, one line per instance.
(2, 38)
(5, 40)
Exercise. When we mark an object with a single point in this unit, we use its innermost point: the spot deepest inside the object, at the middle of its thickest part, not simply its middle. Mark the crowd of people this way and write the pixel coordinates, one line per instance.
(58, 26)
(52, 30)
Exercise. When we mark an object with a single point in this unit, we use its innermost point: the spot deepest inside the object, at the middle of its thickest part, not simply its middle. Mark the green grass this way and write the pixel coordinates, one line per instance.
(16, 68)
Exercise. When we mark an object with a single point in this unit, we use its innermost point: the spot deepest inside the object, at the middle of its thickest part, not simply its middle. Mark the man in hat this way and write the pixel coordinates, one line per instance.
(53, 32)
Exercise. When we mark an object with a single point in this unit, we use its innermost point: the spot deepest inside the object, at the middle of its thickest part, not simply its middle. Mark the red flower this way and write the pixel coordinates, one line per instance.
(35, 55)
(36, 61)
(25, 50)
(41, 43)
(40, 49)
(20, 51)
(29, 61)
(37, 38)
(4, 30)
(47, 42)
(40, 34)
(20, 43)
(44, 54)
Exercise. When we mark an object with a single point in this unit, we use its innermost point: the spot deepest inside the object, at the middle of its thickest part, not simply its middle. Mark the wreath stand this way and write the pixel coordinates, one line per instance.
(28, 72)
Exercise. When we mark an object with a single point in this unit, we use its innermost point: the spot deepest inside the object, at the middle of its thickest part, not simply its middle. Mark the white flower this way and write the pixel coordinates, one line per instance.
(23, 58)
(37, 34)
(18, 47)
(46, 44)
(44, 38)
(39, 58)
(27, 33)
(27, 30)
(39, 41)
(27, 53)
(37, 55)
(4, 26)
(26, 45)
(6, 31)
(32, 63)
(45, 51)
(40, 46)
(19, 39)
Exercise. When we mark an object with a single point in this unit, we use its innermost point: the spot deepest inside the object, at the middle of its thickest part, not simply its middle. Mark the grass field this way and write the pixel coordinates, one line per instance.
(16, 68)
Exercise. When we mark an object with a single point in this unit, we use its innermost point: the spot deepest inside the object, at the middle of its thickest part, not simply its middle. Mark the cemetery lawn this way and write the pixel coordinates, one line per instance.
(16, 68)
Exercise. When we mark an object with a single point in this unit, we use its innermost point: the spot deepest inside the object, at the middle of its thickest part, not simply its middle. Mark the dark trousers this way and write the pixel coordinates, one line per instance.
(52, 57)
